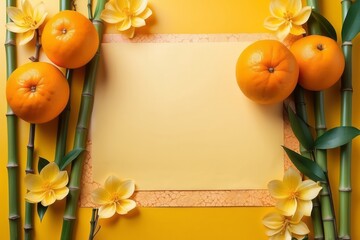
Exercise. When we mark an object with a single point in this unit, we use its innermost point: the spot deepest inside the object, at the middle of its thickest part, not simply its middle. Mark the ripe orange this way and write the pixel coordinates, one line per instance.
(69, 39)
(320, 60)
(267, 72)
(37, 92)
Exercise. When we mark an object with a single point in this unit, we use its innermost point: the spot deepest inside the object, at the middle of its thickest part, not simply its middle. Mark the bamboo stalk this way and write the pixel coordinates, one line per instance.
(327, 206)
(300, 106)
(63, 120)
(11, 121)
(346, 150)
(87, 100)
(93, 223)
(29, 207)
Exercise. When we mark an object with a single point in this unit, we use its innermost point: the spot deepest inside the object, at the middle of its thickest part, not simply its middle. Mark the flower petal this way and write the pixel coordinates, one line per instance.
(308, 190)
(124, 206)
(50, 172)
(287, 206)
(40, 13)
(12, 27)
(130, 32)
(293, 7)
(49, 198)
(27, 8)
(33, 182)
(121, 4)
(107, 211)
(126, 189)
(274, 220)
(145, 14)
(124, 25)
(16, 15)
(112, 184)
(137, 6)
(273, 23)
(26, 37)
(61, 180)
(299, 229)
(278, 8)
(101, 197)
(137, 22)
(297, 30)
(304, 207)
(278, 189)
(292, 179)
(302, 16)
(111, 16)
(34, 197)
(61, 193)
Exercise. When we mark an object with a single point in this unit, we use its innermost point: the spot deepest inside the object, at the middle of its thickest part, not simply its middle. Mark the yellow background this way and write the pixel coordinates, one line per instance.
(175, 16)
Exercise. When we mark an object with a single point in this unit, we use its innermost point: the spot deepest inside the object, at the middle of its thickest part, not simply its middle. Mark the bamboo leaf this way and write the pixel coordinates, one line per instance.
(306, 166)
(71, 156)
(336, 137)
(42, 163)
(301, 130)
(351, 25)
(325, 26)
(41, 210)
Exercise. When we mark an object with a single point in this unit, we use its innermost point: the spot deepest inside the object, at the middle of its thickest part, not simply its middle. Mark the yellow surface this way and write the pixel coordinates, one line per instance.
(198, 123)
(186, 16)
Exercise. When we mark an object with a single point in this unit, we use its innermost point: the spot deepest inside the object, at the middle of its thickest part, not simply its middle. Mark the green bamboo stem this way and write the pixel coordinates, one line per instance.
(316, 216)
(29, 207)
(11, 121)
(86, 105)
(63, 119)
(327, 206)
(93, 223)
(65, 5)
(346, 150)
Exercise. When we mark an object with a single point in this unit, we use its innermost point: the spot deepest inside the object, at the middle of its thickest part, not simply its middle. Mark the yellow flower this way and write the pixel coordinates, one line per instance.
(288, 16)
(126, 14)
(280, 227)
(113, 197)
(48, 186)
(26, 20)
(294, 195)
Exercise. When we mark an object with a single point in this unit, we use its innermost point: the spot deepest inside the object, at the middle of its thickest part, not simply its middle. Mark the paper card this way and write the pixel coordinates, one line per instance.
(168, 113)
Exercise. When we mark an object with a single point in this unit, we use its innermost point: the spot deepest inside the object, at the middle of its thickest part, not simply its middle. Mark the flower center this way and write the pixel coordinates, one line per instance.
(288, 16)
(294, 195)
(29, 22)
(127, 12)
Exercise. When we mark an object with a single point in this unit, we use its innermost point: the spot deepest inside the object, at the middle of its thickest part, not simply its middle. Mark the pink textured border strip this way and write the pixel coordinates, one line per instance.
(218, 198)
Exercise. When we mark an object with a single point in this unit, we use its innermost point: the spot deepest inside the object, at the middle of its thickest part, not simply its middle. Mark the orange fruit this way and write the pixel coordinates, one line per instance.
(69, 39)
(267, 72)
(320, 60)
(37, 92)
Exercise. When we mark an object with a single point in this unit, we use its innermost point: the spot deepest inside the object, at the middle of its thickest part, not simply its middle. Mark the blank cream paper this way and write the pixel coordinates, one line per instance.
(172, 117)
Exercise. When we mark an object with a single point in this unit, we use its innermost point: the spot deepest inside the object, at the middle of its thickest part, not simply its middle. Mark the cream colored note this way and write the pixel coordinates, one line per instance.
(171, 117)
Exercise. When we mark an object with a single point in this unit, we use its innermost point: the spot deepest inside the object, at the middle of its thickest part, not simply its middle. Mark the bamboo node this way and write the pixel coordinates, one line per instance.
(345, 189)
(328, 219)
(10, 114)
(28, 227)
(69, 218)
(349, 89)
(29, 171)
(14, 217)
(347, 237)
(12, 165)
(74, 188)
(347, 43)
(10, 43)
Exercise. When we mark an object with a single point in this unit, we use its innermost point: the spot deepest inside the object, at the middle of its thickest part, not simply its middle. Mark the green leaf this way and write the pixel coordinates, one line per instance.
(351, 25)
(336, 137)
(42, 163)
(325, 26)
(71, 156)
(301, 130)
(306, 166)
(41, 210)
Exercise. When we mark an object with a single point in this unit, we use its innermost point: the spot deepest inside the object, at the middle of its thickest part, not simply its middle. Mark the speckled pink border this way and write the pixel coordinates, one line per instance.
(217, 198)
